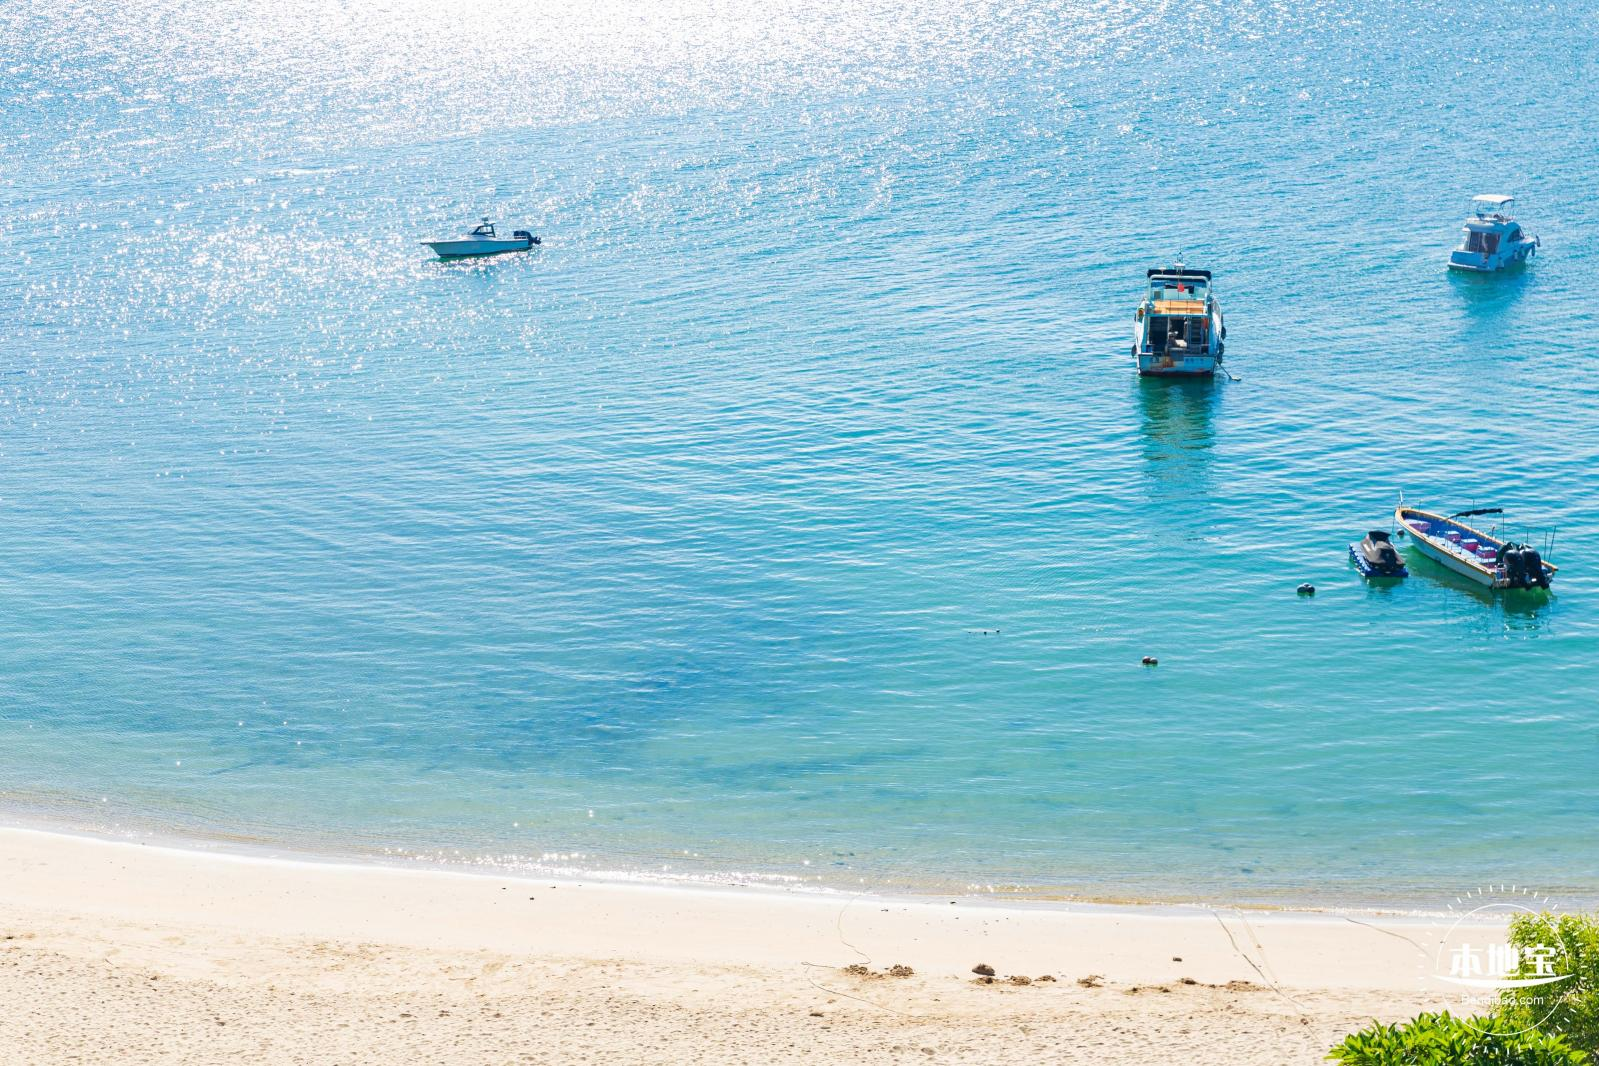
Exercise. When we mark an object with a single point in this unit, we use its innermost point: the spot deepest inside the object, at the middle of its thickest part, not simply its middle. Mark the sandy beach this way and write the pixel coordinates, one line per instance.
(129, 953)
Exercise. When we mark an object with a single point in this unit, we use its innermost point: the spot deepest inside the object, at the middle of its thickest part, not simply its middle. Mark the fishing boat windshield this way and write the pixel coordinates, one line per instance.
(1179, 288)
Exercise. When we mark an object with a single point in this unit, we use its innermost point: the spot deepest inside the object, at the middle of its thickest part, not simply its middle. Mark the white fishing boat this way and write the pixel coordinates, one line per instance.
(483, 239)
(1178, 328)
(1493, 240)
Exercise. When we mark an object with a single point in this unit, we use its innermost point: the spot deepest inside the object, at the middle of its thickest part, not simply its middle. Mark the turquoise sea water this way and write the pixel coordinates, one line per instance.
(794, 511)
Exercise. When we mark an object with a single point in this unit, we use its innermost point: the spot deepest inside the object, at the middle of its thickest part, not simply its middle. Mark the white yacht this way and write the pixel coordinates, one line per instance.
(1493, 240)
(483, 240)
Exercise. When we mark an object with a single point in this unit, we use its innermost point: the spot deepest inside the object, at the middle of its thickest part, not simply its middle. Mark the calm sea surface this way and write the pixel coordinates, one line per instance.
(794, 511)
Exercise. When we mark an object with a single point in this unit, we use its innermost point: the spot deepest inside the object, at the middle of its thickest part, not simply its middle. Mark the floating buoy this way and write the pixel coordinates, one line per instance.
(1307, 589)
(1150, 660)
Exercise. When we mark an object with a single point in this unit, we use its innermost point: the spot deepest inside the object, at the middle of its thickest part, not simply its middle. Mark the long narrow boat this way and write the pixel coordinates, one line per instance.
(1484, 558)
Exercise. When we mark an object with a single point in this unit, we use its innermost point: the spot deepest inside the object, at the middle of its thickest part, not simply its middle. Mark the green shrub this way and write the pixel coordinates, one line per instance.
(1444, 1040)
(1576, 1014)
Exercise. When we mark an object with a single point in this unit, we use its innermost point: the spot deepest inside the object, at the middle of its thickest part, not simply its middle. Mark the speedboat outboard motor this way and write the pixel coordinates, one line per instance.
(1532, 562)
(1523, 566)
(526, 236)
(1376, 556)
(1510, 559)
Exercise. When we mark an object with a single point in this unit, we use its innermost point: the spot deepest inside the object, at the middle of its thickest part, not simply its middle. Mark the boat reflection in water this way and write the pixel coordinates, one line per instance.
(1494, 612)
(1179, 434)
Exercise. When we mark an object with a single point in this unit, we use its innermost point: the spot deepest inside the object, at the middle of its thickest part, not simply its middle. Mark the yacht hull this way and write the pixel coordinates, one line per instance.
(1480, 263)
(460, 249)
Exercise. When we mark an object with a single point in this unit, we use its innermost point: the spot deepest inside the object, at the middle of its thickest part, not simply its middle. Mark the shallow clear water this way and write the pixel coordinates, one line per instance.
(794, 511)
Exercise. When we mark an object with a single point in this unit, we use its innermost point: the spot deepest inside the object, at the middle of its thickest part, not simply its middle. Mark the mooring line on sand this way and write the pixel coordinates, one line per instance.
(838, 928)
(1388, 932)
(1270, 983)
(847, 995)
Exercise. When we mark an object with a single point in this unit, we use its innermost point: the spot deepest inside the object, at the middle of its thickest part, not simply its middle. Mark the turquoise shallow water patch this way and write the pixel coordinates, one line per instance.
(793, 511)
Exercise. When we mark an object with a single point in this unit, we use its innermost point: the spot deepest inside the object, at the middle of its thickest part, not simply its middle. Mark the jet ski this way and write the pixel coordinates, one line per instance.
(1377, 557)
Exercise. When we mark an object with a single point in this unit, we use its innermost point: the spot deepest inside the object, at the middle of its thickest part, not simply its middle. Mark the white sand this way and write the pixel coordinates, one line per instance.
(114, 952)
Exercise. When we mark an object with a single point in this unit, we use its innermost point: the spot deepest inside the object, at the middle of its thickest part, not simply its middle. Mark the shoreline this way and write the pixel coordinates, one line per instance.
(284, 951)
(45, 867)
(561, 868)
(33, 862)
(180, 849)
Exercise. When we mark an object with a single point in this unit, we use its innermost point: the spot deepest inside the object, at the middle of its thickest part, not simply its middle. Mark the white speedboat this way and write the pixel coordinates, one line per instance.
(1493, 239)
(1178, 329)
(483, 240)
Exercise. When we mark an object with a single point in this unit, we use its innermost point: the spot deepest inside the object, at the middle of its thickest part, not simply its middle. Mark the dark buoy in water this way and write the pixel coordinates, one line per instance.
(1150, 660)
(1307, 589)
